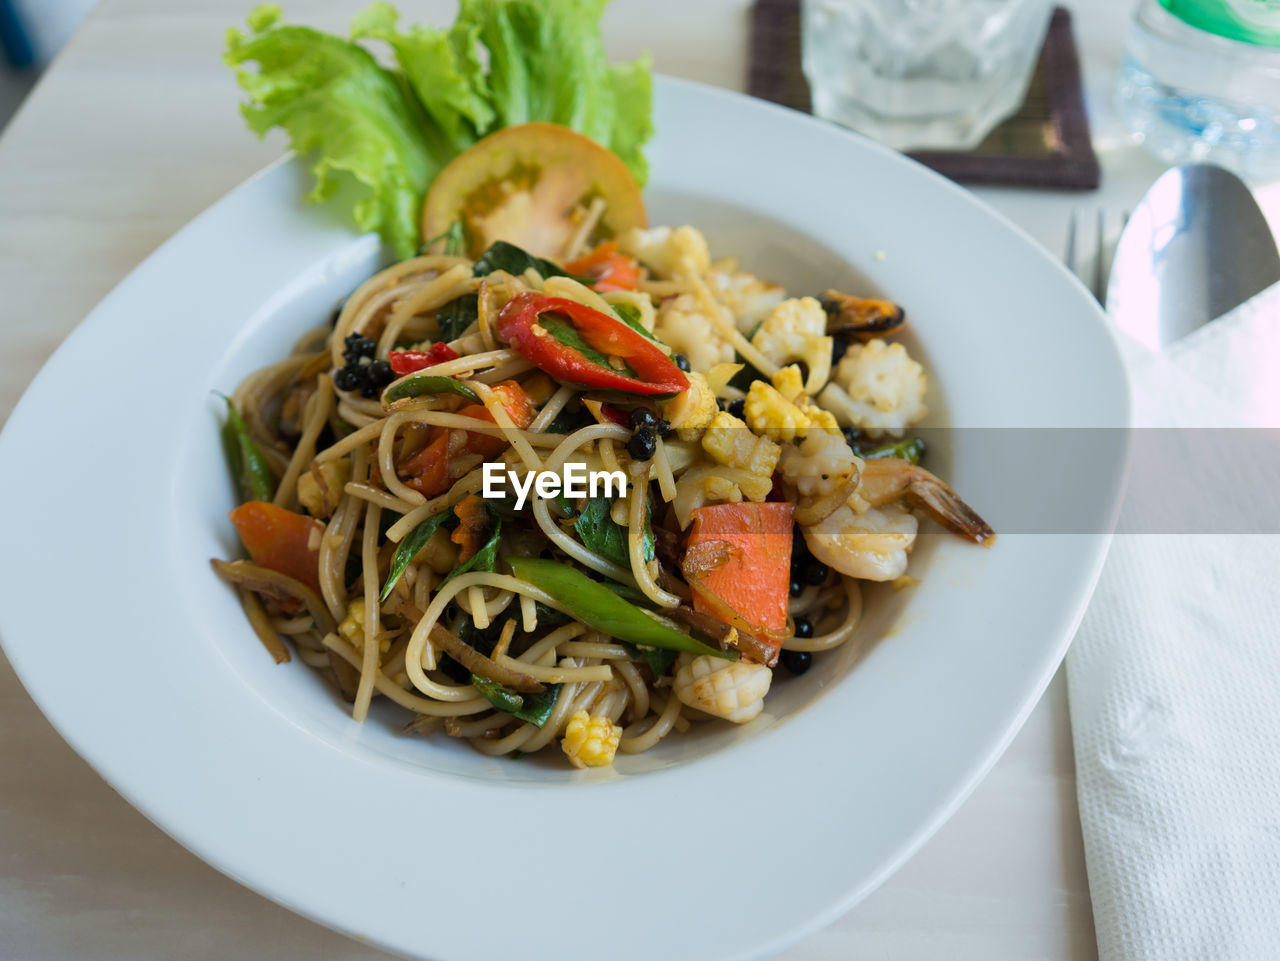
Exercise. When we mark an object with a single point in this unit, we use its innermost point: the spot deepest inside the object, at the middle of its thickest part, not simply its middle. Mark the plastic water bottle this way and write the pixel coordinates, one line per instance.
(1201, 82)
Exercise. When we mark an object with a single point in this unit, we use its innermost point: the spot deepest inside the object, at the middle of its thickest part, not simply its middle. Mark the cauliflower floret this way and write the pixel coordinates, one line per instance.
(878, 388)
(769, 413)
(683, 327)
(733, 690)
(796, 331)
(748, 298)
(819, 465)
(692, 410)
(590, 740)
(872, 545)
(352, 627)
(730, 442)
(668, 252)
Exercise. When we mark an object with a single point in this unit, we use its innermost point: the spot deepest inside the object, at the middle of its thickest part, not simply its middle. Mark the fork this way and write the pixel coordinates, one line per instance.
(1104, 252)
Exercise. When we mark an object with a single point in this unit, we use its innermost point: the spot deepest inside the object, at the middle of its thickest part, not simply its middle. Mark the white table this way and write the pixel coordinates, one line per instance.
(131, 133)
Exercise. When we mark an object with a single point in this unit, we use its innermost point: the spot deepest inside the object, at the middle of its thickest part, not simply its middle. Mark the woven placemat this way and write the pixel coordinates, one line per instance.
(1045, 144)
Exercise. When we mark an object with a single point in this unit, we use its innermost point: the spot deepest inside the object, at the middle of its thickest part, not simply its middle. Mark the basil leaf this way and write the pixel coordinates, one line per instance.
(549, 616)
(659, 659)
(500, 696)
(409, 547)
(744, 378)
(629, 314)
(911, 449)
(504, 256)
(567, 334)
(456, 316)
(484, 559)
(598, 532)
(420, 384)
(483, 641)
(567, 421)
(534, 708)
(629, 593)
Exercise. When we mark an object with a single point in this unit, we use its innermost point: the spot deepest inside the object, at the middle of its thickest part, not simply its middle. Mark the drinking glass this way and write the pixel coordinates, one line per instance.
(936, 74)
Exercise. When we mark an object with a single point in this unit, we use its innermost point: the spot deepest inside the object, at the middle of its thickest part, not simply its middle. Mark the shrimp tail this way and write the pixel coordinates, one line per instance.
(885, 479)
(945, 506)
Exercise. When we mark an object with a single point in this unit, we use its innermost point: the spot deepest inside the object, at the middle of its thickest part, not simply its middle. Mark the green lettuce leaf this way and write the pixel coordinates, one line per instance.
(547, 63)
(443, 70)
(390, 130)
(359, 121)
(632, 86)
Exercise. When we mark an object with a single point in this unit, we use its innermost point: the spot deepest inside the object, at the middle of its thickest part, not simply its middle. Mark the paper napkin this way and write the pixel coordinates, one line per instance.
(1174, 681)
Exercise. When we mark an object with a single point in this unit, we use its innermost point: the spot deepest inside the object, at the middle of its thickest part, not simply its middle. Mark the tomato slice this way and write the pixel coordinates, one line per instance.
(524, 184)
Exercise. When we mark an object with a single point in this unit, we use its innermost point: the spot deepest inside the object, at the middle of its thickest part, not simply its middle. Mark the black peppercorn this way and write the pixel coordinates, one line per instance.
(813, 572)
(357, 346)
(349, 378)
(796, 588)
(642, 445)
(803, 626)
(381, 374)
(642, 418)
(682, 362)
(796, 662)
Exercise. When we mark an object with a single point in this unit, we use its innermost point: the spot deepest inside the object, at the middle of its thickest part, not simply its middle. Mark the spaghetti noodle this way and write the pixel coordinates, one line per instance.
(385, 569)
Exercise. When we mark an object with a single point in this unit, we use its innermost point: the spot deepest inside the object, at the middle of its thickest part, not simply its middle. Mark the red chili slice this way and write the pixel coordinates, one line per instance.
(407, 361)
(616, 414)
(518, 325)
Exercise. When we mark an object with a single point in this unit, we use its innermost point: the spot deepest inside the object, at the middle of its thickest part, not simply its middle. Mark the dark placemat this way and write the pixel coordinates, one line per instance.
(1045, 144)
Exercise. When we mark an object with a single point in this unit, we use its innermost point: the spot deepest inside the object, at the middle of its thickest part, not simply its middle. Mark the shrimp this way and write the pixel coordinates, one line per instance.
(872, 545)
(886, 480)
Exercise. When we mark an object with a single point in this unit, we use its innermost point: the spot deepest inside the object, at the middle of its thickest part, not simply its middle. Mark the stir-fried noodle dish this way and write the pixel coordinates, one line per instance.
(562, 480)
(604, 616)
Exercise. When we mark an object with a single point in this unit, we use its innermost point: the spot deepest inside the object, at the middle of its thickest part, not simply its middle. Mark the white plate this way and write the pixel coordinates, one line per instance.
(728, 844)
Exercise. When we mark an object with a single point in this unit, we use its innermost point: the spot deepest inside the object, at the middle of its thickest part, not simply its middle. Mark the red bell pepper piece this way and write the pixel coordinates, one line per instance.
(427, 471)
(518, 407)
(281, 540)
(611, 270)
(518, 325)
(407, 361)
